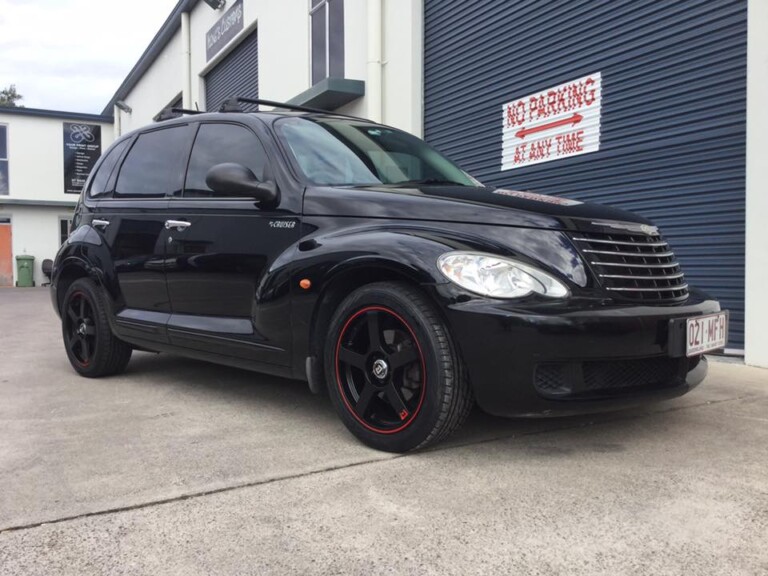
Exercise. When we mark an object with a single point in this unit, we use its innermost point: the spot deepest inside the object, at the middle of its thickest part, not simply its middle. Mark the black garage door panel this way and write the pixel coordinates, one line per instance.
(236, 75)
(673, 128)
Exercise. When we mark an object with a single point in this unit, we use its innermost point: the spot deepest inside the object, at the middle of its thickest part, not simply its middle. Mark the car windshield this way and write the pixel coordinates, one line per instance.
(348, 152)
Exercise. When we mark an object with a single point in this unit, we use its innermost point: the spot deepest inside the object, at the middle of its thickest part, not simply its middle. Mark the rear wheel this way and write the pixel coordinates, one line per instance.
(394, 375)
(91, 347)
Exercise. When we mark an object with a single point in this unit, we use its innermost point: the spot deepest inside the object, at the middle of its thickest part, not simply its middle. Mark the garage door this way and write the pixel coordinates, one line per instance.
(673, 121)
(236, 75)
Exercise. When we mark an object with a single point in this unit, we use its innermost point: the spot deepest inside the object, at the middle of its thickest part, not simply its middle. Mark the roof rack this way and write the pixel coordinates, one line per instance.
(233, 105)
(171, 112)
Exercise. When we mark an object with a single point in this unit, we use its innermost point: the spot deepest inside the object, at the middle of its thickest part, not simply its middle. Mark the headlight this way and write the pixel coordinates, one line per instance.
(498, 277)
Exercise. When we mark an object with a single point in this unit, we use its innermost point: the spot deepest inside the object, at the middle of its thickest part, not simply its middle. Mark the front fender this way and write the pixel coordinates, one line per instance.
(350, 253)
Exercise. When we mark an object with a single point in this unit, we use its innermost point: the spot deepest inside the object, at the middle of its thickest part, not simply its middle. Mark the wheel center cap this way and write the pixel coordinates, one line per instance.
(81, 329)
(380, 369)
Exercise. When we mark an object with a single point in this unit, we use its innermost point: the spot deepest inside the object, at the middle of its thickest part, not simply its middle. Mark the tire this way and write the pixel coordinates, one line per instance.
(91, 347)
(393, 373)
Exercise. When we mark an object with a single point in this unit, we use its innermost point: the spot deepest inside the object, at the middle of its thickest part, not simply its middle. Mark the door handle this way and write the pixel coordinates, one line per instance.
(96, 223)
(180, 225)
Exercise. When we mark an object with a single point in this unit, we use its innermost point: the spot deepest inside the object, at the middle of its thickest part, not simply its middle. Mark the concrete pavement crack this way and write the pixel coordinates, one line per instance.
(203, 493)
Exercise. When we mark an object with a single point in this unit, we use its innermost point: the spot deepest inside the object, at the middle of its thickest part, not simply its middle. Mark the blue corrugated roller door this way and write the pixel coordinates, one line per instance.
(236, 75)
(673, 127)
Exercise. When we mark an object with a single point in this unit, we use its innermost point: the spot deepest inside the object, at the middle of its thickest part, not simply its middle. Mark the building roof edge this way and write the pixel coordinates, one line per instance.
(60, 114)
(156, 46)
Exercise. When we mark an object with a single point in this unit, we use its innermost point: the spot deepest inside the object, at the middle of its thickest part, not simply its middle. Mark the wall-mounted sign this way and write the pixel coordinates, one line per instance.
(224, 30)
(552, 124)
(82, 147)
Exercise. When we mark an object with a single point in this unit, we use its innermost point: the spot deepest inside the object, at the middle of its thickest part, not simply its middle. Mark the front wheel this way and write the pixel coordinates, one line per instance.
(91, 347)
(394, 376)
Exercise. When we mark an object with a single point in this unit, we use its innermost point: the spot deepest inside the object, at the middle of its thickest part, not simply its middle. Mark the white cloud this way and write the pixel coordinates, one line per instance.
(73, 54)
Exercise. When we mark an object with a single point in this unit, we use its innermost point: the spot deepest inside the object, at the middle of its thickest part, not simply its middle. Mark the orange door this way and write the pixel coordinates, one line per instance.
(6, 256)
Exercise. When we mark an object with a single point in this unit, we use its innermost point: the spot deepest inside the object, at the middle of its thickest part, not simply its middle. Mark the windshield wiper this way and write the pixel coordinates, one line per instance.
(429, 182)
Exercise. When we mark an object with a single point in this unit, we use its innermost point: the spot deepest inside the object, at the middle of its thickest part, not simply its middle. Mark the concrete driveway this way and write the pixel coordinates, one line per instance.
(181, 467)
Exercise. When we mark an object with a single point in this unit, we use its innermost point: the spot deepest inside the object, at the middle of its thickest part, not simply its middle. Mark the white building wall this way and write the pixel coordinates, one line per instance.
(36, 173)
(402, 66)
(35, 232)
(36, 156)
(284, 59)
(283, 29)
(283, 49)
(403, 89)
(355, 52)
(160, 86)
(756, 335)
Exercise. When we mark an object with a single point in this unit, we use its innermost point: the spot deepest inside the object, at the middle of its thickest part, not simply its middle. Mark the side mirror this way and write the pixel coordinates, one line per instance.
(235, 180)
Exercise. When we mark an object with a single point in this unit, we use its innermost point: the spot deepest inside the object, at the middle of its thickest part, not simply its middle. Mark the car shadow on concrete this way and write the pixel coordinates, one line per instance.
(294, 399)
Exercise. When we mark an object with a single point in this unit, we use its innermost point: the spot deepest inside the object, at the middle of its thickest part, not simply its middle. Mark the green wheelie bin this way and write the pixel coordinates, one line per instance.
(25, 271)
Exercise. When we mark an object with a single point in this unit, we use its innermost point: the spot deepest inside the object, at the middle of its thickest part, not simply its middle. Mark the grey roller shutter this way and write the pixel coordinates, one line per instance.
(673, 131)
(236, 75)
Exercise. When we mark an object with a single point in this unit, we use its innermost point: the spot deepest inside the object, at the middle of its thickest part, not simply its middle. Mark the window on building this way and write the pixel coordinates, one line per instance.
(154, 167)
(327, 39)
(218, 143)
(4, 188)
(65, 225)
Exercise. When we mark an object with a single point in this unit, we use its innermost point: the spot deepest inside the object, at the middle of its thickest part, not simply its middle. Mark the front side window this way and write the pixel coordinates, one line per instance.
(4, 186)
(219, 143)
(327, 39)
(341, 152)
(154, 167)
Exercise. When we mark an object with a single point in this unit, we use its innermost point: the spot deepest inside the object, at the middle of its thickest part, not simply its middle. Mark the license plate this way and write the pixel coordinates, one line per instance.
(706, 333)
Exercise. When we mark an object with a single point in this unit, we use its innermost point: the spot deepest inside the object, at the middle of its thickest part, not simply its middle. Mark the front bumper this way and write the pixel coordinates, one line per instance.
(554, 358)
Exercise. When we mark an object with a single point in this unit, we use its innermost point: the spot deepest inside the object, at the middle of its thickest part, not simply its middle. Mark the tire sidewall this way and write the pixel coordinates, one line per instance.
(426, 419)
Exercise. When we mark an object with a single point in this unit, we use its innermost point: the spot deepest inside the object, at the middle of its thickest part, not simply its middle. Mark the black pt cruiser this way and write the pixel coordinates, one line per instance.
(352, 255)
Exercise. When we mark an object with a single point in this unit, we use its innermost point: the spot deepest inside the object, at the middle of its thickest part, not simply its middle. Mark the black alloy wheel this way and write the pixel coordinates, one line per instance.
(91, 347)
(380, 370)
(393, 373)
(80, 329)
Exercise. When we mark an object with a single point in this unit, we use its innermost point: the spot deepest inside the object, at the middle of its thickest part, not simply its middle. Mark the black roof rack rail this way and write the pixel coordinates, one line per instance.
(172, 112)
(233, 105)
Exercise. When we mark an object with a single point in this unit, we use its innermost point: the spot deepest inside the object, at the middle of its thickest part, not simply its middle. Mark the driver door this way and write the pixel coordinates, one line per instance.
(218, 253)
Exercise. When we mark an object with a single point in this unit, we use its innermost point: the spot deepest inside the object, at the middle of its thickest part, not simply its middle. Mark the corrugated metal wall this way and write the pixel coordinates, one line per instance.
(236, 75)
(673, 135)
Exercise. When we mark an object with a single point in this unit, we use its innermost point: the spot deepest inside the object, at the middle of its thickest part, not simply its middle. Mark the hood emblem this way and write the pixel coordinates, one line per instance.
(628, 227)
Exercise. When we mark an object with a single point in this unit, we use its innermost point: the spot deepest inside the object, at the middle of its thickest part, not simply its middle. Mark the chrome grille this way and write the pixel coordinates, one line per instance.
(634, 266)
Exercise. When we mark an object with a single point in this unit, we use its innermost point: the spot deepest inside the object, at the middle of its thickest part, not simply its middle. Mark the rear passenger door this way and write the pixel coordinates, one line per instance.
(220, 255)
(131, 218)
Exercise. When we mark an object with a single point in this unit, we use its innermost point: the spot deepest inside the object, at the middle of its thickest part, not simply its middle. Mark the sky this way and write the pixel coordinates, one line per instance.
(72, 55)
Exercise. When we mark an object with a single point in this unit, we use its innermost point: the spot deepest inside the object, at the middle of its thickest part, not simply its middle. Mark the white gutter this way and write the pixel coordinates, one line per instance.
(186, 62)
(373, 84)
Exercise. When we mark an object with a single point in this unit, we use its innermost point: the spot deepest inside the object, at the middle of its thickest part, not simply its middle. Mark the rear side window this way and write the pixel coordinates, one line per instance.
(219, 143)
(101, 177)
(154, 167)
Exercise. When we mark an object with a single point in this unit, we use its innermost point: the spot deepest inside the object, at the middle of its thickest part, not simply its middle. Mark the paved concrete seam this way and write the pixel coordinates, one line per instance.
(439, 448)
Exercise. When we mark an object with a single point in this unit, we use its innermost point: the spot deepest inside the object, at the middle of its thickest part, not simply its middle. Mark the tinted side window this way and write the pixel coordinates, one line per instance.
(218, 143)
(101, 177)
(155, 164)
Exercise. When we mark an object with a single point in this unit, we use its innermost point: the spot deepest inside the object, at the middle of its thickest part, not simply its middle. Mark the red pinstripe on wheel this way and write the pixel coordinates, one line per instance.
(409, 418)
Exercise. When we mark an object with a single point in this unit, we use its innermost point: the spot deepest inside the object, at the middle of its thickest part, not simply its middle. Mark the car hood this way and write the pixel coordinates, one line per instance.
(477, 205)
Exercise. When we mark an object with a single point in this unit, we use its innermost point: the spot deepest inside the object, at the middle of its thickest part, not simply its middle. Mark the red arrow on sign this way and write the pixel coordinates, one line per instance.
(573, 120)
